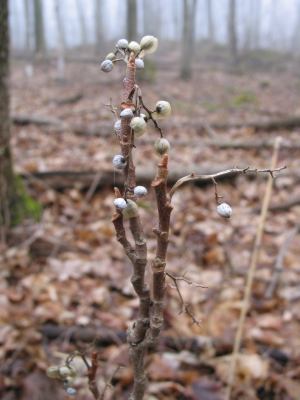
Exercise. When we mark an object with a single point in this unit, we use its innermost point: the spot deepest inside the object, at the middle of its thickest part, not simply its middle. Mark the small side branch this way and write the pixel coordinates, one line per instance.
(186, 308)
(221, 174)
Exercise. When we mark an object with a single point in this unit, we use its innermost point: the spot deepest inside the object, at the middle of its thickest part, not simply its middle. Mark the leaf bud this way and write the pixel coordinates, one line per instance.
(131, 210)
(149, 44)
(119, 161)
(162, 146)
(110, 56)
(134, 47)
(138, 124)
(53, 372)
(224, 210)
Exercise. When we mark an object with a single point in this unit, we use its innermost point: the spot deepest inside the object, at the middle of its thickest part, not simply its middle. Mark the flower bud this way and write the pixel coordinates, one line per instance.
(110, 56)
(134, 47)
(149, 44)
(120, 203)
(107, 66)
(224, 210)
(162, 146)
(139, 63)
(53, 372)
(162, 109)
(140, 191)
(119, 161)
(117, 125)
(122, 44)
(138, 124)
(131, 210)
(126, 113)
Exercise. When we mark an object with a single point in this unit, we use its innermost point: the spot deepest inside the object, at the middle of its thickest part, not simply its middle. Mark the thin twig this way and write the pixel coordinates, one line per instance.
(186, 307)
(150, 113)
(108, 383)
(221, 174)
(252, 268)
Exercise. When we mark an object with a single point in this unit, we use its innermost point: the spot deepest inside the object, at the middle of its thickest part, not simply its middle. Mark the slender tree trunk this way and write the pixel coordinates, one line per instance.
(7, 182)
(39, 27)
(188, 38)
(131, 20)
(257, 24)
(210, 21)
(61, 41)
(82, 24)
(232, 35)
(29, 48)
(98, 25)
(296, 35)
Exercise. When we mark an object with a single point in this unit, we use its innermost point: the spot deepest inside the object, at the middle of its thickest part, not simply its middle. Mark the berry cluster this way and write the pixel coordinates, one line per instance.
(132, 116)
(66, 374)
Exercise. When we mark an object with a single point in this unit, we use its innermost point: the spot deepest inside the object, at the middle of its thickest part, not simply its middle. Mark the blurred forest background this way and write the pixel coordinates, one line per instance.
(230, 69)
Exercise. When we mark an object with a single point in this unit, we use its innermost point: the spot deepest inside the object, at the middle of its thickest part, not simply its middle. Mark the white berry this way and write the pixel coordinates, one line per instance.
(140, 191)
(119, 161)
(224, 210)
(139, 63)
(110, 56)
(120, 203)
(117, 125)
(107, 66)
(122, 44)
(126, 113)
(71, 391)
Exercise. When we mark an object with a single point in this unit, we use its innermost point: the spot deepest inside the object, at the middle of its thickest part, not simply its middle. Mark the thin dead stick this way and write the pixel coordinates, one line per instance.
(221, 174)
(279, 262)
(251, 272)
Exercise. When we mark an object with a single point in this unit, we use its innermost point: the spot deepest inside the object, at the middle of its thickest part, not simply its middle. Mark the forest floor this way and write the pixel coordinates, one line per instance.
(65, 284)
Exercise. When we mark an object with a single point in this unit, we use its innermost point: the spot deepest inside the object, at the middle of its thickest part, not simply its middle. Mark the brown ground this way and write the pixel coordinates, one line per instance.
(68, 270)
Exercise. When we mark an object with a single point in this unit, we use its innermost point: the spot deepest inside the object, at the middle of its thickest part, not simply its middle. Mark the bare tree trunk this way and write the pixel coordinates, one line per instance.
(210, 21)
(29, 53)
(131, 20)
(188, 38)
(81, 22)
(61, 41)
(98, 25)
(257, 24)
(232, 35)
(296, 35)
(39, 27)
(7, 181)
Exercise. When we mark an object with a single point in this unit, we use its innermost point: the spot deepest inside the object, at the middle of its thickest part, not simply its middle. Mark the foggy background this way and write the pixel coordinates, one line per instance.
(273, 24)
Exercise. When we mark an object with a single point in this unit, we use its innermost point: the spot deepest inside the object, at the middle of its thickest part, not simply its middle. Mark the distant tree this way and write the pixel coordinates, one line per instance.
(210, 21)
(61, 40)
(82, 24)
(7, 181)
(98, 24)
(131, 19)
(188, 38)
(29, 39)
(232, 34)
(296, 34)
(39, 27)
